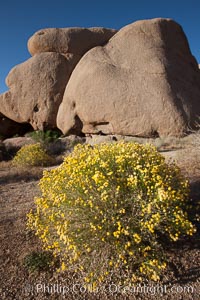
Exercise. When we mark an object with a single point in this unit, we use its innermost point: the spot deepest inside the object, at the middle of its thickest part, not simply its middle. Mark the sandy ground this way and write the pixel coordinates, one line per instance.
(17, 191)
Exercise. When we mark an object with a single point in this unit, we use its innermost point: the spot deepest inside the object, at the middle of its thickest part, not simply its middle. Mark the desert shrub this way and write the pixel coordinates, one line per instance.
(45, 137)
(106, 208)
(38, 261)
(32, 155)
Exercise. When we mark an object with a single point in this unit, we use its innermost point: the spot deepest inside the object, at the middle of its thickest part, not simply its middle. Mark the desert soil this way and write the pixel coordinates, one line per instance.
(17, 192)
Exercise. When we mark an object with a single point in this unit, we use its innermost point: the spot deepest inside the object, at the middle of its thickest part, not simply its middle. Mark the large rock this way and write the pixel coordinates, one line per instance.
(12, 145)
(68, 40)
(64, 145)
(3, 153)
(36, 89)
(37, 85)
(144, 82)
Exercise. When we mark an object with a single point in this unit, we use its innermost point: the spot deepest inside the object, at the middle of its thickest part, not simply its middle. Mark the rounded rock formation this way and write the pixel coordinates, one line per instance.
(143, 82)
(36, 89)
(37, 85)
(74, 40)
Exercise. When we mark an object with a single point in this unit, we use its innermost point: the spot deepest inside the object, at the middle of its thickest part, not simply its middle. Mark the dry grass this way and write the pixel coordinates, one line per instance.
(188, 158)
(11, 174)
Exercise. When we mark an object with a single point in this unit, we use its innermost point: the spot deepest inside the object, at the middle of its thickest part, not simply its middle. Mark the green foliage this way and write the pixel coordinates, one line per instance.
(32, 155)
(45, 137)
(105, 208)
(38, 261)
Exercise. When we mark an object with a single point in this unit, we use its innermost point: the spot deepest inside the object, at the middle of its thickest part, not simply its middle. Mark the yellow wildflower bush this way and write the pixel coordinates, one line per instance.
(32, 155)
(105, 208)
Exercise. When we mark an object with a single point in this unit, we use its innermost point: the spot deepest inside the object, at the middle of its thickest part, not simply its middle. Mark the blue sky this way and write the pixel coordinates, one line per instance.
(19, 19)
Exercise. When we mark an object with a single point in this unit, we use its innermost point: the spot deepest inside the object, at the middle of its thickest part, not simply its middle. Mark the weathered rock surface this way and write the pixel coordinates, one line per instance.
(99, 139)
(64, 145)
(3, 154)
(68, 40)
(144, 82)
(12, 145)
(36, 89)
(37, 85)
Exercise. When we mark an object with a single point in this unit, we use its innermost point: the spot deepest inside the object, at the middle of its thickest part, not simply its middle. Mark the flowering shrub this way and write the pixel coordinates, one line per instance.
(32, 155)
(104, 209)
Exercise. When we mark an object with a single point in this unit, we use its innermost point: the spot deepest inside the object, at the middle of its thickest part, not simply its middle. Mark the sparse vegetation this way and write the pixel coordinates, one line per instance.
(32, 155)
(105, 209)
(188, 158)
(44, 137)
(19, 187)
(38, 261)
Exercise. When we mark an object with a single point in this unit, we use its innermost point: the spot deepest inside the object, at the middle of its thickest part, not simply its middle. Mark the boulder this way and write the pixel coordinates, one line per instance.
(3, 153)
(64, 144)
(12, 145)
(68, 40)
(36, 89)
(93, 139)
(8, 128)
(37, 85)
(143, 82)
(99, 139)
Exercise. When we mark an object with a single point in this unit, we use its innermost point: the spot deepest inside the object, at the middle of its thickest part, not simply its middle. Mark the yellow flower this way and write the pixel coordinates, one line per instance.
(63, 266)
(111, 198)
(137, 238)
